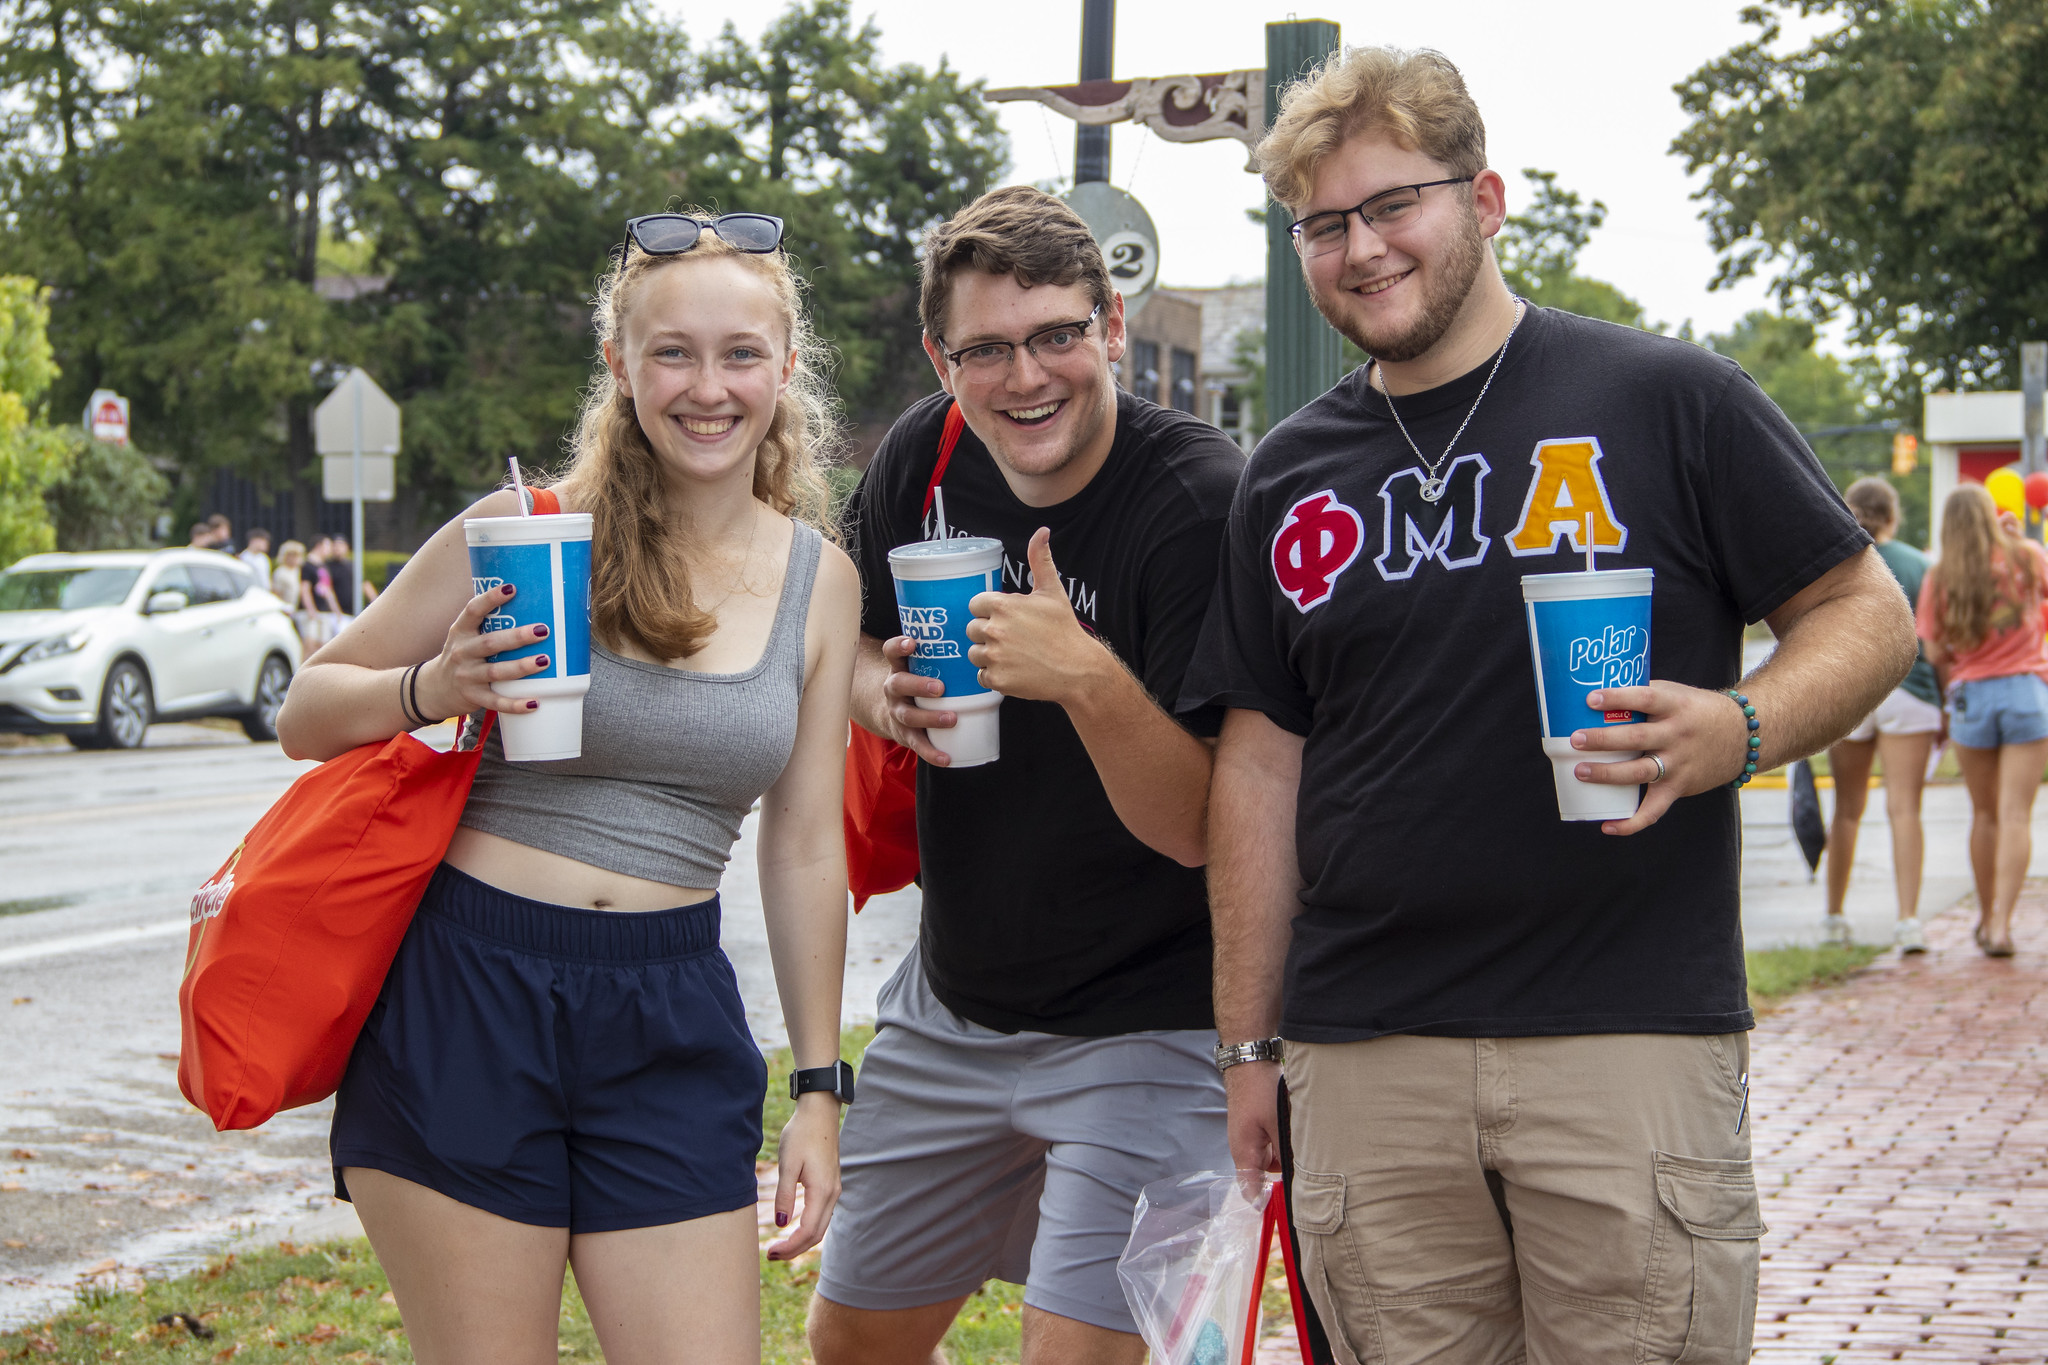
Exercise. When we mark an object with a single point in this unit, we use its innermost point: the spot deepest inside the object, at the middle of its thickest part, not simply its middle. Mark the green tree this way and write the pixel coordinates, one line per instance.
(32, 456)
(1822, 395)
(109, 497)
(1538, 251)
(1894, 169)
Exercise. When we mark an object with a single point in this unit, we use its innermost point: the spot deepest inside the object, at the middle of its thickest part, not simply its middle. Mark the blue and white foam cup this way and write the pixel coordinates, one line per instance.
(1588, 631)
(547, 559)
(935, 580)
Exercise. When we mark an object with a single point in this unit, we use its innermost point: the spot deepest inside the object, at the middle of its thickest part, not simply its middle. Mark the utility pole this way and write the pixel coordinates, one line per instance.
(1304, 354)
(2033, 380)
(1098, 58)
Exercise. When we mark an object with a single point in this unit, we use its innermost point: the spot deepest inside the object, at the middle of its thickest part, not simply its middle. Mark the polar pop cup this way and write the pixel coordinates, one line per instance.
(935, 580)
(1587, 631)
(547, 559)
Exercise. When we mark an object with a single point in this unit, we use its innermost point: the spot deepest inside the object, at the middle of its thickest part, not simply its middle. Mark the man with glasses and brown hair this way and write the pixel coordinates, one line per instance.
(1515, 1046)
(1046, 1050)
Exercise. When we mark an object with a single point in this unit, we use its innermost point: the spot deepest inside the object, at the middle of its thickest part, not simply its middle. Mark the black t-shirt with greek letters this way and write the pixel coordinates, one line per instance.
(1443, 895)
(1041, 911)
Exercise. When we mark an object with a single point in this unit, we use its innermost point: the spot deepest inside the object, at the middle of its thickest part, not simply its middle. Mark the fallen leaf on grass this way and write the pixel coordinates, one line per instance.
(326, 1331)
(11, 1187)
(102, 1268)
(387, 1298)
(22, 1154)
(24, 999)
(14, 1242)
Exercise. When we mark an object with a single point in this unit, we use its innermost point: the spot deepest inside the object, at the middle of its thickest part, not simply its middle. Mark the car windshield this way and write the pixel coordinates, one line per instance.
(64, 589)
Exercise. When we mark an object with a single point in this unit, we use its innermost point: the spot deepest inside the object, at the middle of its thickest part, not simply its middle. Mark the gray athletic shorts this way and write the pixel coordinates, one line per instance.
(971, 1155)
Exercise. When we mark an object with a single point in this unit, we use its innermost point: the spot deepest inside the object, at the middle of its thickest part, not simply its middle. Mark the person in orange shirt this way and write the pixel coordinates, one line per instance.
(1980, 615)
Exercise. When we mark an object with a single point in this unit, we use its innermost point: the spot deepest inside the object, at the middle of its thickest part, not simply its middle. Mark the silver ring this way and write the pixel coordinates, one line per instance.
(1662, 772)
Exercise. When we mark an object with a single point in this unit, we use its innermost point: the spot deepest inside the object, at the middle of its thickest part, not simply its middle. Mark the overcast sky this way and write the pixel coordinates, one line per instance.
(1583, 89)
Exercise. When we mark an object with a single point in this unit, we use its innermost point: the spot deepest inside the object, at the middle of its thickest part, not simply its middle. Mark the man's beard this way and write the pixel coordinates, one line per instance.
(1451, 278)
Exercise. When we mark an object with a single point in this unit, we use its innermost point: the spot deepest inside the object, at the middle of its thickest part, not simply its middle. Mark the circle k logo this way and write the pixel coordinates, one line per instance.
(1318, 540)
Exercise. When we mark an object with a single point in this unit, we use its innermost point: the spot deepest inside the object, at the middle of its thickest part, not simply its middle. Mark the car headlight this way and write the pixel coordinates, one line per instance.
(55, 647)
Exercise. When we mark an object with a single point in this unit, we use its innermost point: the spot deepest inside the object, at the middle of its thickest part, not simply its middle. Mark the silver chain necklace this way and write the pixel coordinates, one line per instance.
(1433, 484)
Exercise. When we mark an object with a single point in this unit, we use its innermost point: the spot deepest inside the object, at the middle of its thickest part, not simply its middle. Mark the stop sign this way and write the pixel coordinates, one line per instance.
(106, 417)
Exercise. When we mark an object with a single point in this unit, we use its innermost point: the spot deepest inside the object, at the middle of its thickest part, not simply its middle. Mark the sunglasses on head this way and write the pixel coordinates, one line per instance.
(671, 234)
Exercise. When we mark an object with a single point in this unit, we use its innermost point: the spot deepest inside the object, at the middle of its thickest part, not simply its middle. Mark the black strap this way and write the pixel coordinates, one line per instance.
(1318, 1339)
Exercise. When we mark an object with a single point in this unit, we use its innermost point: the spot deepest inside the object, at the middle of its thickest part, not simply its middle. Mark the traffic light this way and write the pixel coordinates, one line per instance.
(1905, 452)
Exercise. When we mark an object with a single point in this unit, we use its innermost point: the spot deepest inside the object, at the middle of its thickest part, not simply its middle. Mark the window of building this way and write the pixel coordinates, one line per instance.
(1145, 369)
(1183, 394)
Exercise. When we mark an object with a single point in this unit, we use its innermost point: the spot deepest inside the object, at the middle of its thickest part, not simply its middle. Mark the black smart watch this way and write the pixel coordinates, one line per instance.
(837, 1078)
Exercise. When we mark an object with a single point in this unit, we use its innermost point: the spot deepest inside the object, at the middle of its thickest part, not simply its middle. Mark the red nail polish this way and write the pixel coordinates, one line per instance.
(540, 661)
(533, 706)
(782, 1220)
(507, 590)
(540, 632)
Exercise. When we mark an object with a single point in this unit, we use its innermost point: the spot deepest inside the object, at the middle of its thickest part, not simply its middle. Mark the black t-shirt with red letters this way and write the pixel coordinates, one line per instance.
(1443, 895)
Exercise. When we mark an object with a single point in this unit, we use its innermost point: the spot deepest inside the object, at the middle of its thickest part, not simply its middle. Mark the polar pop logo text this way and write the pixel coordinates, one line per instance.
(927, 626)
(1617, 657)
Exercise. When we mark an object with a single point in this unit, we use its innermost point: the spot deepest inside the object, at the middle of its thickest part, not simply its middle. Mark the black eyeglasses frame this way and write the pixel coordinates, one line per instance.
(1294, 228)
(1082, 326)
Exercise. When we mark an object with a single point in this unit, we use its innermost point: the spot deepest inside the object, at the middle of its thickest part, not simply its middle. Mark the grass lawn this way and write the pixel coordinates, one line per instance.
(332, 1303)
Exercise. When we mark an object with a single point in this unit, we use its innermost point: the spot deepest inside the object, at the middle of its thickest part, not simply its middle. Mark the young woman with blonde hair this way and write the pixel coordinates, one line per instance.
(1980, 616)
(559, 1069)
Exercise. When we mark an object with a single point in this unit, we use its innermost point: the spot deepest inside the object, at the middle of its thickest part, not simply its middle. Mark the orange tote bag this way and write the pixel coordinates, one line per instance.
(292, 938)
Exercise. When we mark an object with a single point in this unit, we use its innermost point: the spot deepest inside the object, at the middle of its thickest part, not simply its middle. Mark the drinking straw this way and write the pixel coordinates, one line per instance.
(939, 502)
(519, 485)
(1590, 567)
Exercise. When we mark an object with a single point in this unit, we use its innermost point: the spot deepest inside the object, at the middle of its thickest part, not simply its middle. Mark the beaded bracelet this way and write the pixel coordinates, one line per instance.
(1756, 741)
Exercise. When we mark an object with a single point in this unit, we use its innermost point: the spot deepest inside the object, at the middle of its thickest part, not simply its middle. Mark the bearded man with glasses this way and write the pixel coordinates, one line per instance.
(1045, 1051)
(1515, 1044)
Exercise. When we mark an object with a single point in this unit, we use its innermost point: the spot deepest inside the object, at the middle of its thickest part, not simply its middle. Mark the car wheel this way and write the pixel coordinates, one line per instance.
(124, 707)
(260, 721)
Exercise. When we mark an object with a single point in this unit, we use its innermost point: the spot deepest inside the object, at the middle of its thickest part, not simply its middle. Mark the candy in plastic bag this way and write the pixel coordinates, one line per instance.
(1191, 1267)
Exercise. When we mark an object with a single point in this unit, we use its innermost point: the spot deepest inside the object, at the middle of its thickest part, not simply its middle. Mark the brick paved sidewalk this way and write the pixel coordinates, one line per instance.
(1901, 1140)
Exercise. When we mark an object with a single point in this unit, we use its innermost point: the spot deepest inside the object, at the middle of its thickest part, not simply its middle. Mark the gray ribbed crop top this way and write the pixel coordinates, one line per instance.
(672, 760)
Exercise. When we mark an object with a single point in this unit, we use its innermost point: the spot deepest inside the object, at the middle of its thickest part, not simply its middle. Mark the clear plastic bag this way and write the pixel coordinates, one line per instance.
(1190, 1271)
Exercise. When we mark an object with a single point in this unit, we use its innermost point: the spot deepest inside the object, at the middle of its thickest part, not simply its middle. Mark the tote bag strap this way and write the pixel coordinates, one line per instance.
(948, 438)
(543, 501)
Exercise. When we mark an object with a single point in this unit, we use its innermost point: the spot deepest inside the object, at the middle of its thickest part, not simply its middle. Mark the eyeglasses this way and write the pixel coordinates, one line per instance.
(988, 358)
(1388, 211)
(671, 234)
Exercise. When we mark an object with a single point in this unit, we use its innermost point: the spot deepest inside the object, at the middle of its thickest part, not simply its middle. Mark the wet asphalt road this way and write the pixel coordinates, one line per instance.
(101, 1159)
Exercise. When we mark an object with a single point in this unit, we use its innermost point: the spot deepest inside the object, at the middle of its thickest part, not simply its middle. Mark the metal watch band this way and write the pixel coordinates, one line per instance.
(1229, 1055)
(837, 1078)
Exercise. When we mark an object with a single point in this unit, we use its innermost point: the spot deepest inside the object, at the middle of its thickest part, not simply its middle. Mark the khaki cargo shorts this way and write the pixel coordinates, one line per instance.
(1579, 1200)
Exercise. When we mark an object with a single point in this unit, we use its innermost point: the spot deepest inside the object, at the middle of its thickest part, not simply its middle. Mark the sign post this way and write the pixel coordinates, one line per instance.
(2033, 381)
(1304, 356)
(359, 421)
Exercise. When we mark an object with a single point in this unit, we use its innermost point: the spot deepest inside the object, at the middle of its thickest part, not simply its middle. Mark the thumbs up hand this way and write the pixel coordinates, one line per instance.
(1031, 645)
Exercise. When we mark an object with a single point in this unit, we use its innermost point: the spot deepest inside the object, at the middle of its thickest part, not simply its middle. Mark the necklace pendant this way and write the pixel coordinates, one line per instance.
(1432, 489)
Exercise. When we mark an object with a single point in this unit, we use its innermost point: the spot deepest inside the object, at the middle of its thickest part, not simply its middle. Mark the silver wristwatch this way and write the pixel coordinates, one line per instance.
(1229, 1055)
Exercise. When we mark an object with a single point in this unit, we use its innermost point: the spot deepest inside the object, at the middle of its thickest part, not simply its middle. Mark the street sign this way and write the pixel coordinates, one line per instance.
(106, 417)
(1130, 244)
(338, 478)
(340, 415)
(360, 422)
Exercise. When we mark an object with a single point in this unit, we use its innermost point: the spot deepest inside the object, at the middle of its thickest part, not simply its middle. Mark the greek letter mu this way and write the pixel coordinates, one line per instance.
(1320, 536)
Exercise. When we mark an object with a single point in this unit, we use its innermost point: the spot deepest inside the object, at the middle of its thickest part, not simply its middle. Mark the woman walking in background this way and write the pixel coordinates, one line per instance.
(1902, 731)
(1980, 616)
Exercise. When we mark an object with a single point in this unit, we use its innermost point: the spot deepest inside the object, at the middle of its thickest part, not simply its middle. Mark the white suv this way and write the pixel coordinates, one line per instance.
(97, 646)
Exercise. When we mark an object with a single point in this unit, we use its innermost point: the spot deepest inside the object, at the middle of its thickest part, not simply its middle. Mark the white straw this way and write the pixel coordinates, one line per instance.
(939, 502)
(518, 484)
(1590, 566)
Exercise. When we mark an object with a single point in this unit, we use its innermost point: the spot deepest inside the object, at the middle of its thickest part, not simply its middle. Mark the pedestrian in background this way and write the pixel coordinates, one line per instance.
(256, 554)
(202, 536)
(1980, 614)
(1902, 731)
(316, 595)
(223, 533)
(342, 565)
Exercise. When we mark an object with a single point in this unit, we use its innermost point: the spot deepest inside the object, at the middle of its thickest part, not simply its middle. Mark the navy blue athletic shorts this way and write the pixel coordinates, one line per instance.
(587, 1069)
